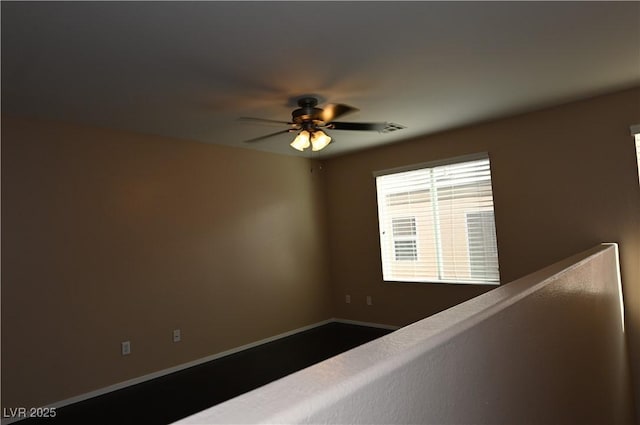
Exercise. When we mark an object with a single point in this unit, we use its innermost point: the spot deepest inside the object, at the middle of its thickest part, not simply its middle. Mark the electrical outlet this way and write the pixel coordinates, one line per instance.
(347, 299)
(126, 347)
(369, 300)
(177, 335)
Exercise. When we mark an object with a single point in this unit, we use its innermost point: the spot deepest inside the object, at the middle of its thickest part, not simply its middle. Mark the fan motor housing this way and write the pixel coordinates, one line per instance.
(307, 111)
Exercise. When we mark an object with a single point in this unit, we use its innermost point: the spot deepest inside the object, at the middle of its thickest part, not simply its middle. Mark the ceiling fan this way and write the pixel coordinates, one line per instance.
(309, 122)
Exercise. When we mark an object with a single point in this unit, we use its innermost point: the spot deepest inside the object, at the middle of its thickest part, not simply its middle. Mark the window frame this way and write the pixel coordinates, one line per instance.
(430, 165)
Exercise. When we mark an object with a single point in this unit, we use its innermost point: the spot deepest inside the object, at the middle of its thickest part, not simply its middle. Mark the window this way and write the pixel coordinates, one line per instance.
(635, 130)
(638, 151)
(437, 223)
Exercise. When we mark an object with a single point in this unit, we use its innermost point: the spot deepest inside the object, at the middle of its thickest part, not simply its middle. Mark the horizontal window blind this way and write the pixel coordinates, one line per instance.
(437, 224)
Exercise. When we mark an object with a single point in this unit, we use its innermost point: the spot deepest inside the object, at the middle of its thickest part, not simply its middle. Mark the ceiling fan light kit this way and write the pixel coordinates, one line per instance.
(308, 121)
(318, 140)
(301, 142)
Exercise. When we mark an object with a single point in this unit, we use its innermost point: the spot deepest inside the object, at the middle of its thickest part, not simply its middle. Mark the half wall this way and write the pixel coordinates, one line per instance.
(546, 348)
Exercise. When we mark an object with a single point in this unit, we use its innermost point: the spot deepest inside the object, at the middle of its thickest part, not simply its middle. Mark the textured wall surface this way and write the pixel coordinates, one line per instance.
(547, 348)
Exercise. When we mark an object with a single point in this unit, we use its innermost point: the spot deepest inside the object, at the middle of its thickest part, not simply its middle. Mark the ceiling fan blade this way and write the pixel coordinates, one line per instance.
(380, 127)
(334, 110)
(257, 139)
(359, 126)
(263, 120)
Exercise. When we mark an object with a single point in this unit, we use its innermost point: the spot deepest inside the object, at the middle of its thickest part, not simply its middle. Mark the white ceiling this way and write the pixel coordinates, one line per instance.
(191, 69)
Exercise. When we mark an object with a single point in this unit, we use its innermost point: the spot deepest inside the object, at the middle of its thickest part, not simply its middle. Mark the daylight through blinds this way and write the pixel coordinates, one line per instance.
(437, 224)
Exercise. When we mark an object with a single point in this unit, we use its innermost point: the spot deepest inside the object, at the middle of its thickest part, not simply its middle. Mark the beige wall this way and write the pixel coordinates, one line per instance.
(564, 180)
(110, 236)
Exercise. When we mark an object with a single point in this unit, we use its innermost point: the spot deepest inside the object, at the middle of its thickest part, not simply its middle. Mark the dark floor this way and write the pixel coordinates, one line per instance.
(169, 398)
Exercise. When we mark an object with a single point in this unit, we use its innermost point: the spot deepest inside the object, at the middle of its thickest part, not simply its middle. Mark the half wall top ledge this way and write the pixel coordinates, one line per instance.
(546, 348)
